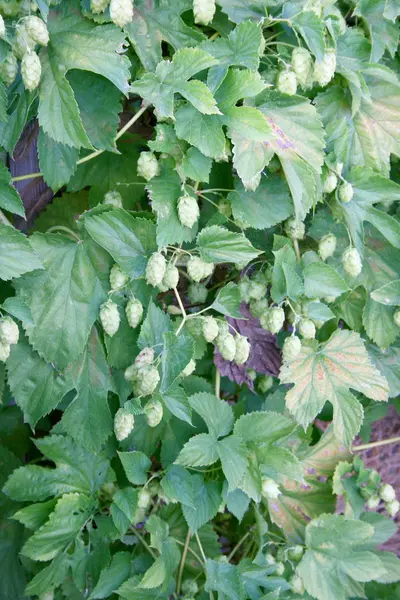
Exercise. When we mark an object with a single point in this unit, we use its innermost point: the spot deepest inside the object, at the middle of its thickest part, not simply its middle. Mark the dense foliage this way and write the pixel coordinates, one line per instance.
(216, 278)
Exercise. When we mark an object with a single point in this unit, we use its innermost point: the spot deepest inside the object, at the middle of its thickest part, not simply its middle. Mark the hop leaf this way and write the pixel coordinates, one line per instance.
(121, 12)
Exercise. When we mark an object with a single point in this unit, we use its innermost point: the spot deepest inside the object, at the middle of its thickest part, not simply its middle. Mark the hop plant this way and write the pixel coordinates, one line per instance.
(242, 349)
(291, 348)
(121, 12)
(147, 166)
(307, 329)
(123, 424)
(98, 6)
(270, 489)
(295, 229)
(188, 210)
(265, 383)
(325, 69)
(49, 595)
(198, 269)
(258, 307)
(144, 499)
(134, 312)
(2, 27)
(346, 192)
(387, 493)
(352, 263)
(273, 320)
(295, 553)
(190, 587)
(155, 269)
(37, 30)
(31, 70)
(244, 289)
(393, 507)
(23, 42)
(170, 279)
(279, 569)
(189, 369)
(9, 332)
(146, 381)
(9, 69)
(396, 317)
(373, 502)
(4, 351)
(197, 293)
(109, 317)
(225, 207)
(327, 246)
(210, 328)
(154, 413)
(330, 182)
(286, 83)
(203, 11)
(257, 290)
(227, 346)
(117, 277)
(113, 198)
(302, 64)
(297, 585)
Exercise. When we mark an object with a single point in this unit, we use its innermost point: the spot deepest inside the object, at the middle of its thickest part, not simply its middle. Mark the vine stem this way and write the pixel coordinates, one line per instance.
(145, 544)
(297, 249)
(375, 444)
(197, 557)
(66, 230)
(200, 547)
(183, 560)
(184, 315)
(217, 383)
(240, 542)
(93, 154)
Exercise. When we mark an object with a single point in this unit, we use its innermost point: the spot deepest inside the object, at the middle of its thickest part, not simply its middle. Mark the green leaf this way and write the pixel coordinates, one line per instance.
(233, 455)
(263, 427)
(178, 484)
(388, 294)
(240, 10)
(69, 516)
(322, 280)
(9, 198)
(163, 567)
(286, 280)
(123, 508)
(319, 311)
(206, 500)
(369, 188)
(136, 465)
(326, 374)
(63, 211)
(384, 34)
(65, 297)
(176, 355)
(216, 413)
(156, 323)
(332, 560)
(76, 471)
(225, 579)
(378, 323)
(154, 22)
(311, 29)
(35, 515)
(171, 77)
(50, 577)
(10, 131)
(196, 166)
(113, 576)
(218, 245)
(16, 254)
(203, 131)
(36, 385)
(237, 502)
(129, 240)
(199, 451)
(228, 301)
(87, 418)
(57, 161)
(388, 363)
(176, 401)
(164, 192)
(370, 136)
(269, 205)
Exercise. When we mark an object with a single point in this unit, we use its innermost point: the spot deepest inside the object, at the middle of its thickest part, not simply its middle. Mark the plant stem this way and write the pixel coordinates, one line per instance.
(236, 548)
(200, 547)
(93, 154)
(183, 560)
(145, 544)
(375, 444)
(197, 557)
(217, 383)
(65, 230)
(182, 309)
(297, 249)
(4, 220)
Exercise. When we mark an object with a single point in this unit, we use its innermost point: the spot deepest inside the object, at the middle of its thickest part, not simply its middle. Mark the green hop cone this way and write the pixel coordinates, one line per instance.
(258, 307)
(242, 349)
(387, 493)
(273, 320)
(265, 383)
(190, 587)
(189, 369)
(295, 553)
(244, 289)
(270, 489)
(145, 357)
(330, 182)
(49, 595)
(279, 569)
(23, 42)
(188, 210)
(325, 70)
(203, 11)
(123, 424)
(113, 198)
(286, 83)
(393, 507)
(109, 317)
(225, 207)
(198, 269)
(9, 332)
(295, 229)
(257, 290)
(146, 381)
(307, 329)
(4, 351)
(352, 263)
(98, 6)
(134, 312)
(210, 328)
(302, 64)
(37, 30)
(396, 317)
(170, 279)
(197, 293)
(227, 346)
(291, 348)
(147, 166)
(9, 69)
(297, 585)
(346, 192)
(31, 70)
(2, 28)
(373, 502)
(155, 269)
(327, 246)
(117, 277)
(144, 499)
(121, 12)
(154, 413)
